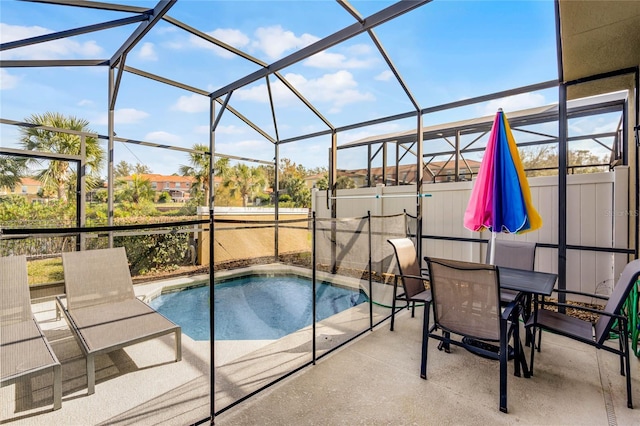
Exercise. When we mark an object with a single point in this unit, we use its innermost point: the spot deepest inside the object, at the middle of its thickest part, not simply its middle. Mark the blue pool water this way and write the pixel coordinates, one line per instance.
(254, 307)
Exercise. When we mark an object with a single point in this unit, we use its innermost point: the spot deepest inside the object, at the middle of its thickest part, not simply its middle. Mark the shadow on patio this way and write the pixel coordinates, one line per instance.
(373, 380)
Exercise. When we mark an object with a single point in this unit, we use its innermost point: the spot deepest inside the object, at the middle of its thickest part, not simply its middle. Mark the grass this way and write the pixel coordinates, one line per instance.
(45, 271)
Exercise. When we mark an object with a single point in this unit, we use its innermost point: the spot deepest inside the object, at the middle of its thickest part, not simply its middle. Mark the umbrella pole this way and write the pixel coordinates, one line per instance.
(492, 255)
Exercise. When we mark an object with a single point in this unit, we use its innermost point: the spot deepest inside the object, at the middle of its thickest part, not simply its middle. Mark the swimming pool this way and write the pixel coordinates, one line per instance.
(254, 307)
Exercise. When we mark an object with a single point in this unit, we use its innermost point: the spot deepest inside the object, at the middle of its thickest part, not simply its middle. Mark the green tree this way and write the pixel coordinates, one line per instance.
(298, 191)
(244, 181)
(323, 183)
(122, 169)
(57, 174)
(543, 161)
(345, 182)
(292, 181)
(135, 190)
(12, 170)
(198, 168)
(141, 169)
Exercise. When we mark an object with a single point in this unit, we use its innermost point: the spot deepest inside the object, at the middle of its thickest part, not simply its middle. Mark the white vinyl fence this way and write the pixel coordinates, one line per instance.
(598, 215)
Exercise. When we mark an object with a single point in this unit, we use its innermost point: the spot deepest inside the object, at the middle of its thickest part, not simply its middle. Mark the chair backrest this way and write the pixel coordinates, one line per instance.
(15, 302)
(466, 297)
(93, 277)
(630, 274)
(408, 264)
(513, 254)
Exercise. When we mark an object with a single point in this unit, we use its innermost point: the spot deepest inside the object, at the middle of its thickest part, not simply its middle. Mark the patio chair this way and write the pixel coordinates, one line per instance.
(466, 303)
(512, 254)
(412, 277)
(24, 349)
(102, 310)
(594, 334)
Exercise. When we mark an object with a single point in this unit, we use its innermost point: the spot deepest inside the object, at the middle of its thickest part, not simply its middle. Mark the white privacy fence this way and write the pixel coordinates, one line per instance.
(598, 216)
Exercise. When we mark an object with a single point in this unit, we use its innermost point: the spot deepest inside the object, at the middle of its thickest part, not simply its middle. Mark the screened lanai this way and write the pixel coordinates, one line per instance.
(351, 95)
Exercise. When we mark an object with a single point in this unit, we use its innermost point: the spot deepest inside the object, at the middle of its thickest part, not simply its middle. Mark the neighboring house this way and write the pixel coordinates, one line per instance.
(28, 187)
(434, 171)
(178, 187)
(311, 180)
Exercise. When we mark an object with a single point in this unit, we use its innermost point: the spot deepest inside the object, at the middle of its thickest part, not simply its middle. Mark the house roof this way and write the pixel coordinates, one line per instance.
(599, 37)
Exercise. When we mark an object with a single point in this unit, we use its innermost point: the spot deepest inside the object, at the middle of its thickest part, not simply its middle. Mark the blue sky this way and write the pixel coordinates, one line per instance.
(446, 51)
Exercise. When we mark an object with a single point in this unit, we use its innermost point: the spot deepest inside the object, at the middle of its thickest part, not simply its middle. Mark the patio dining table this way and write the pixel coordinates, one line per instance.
(529, 284)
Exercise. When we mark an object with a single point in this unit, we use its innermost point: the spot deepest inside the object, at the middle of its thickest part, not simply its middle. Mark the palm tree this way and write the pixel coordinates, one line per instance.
(245, 181)
(199, 170)
(135, 190)
(12, 170)
(56, 174)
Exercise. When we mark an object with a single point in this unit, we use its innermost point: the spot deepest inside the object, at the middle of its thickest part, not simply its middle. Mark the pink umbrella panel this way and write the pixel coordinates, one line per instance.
(501, 199)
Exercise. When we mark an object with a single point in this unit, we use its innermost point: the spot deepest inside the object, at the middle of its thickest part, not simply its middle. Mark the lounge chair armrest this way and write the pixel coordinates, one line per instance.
(580, 293)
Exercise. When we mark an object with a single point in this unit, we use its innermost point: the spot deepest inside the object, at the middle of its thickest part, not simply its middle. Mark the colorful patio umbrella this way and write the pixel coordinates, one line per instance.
(500, 199)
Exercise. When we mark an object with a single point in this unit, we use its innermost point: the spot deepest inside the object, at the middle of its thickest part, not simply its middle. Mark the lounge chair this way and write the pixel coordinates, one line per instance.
(594, 334)
(412, 277)
(24, 350)
(466, 303)
(102, 310)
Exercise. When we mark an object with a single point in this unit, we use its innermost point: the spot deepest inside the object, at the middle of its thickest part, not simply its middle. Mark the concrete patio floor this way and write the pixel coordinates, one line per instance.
(373, 380)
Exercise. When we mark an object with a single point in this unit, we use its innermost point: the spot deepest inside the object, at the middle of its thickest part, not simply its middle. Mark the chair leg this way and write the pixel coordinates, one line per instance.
(504, 357)
(393, 301)
(91, 375)
(533, 349)
(178, 340)
(413, 309)
(425, 342)
(625, 343)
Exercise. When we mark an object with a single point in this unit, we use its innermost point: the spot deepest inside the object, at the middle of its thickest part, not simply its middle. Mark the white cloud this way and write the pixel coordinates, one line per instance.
(167, 29)
(356, 56)
(592, 125)
(63, 48)
(148, 52)
(235, 38)
(229, 130)
(513, 103)
(274, 41)
(123, 116)
(384, 76)
(7, 81)
(191, 104)
(337, 90)
(201, 130)
(162, 137)
(329, 60)
(85, 102)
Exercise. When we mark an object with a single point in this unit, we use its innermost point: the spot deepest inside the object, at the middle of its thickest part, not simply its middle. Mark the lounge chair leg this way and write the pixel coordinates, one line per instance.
(91, 375)
(178, 344)
(57, 387)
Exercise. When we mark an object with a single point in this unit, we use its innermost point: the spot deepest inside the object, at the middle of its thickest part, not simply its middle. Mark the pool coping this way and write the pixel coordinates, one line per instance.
(149, 291)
